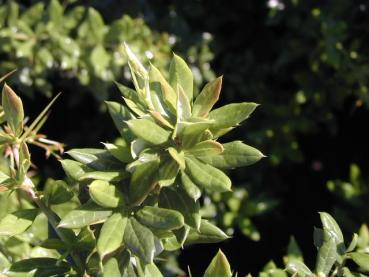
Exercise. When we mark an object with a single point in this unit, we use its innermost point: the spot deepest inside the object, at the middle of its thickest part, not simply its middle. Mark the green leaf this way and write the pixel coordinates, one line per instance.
(120, 152)
(120, 114)
(153, 271)
(13, 109)
(159, 218)
(190, 187)
(98, 159)
(180, 74)
(208, 233)
(111, 234)
(55, 11)
(111, 268)
(105, 194)
(294, 251)
(181, 234)
(18, 222)
(56, 192)
(299, 268)
(206, 148)
(43, 267)
(235, 154)
(176, 199)
(148, 131)
(85, 215)
(73, 169)
(219, 266)
(168, 172)
(141, 241)
(206, 176)
(143, 180)
(178, 157)
(191, 133)
(169, 95)
(207, 98)
(231, 115)
(361, 259)
(327, 254)
(330, 225)
(183, 105)
(132, 99)
(109, 176)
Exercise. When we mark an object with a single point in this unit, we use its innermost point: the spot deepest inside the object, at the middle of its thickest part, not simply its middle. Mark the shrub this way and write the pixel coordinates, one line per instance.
(123, 205)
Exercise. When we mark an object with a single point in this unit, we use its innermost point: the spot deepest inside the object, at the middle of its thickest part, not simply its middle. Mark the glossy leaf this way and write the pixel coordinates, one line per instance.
(175, 199)
(361, 259)
(208, 233)
(111, 234)
(235, 154)
(299, 268)
(219, 266)
(120, 152)
(180, 74)
(231, 115)
(168, 172)
(148, 131)
(98, 159)
(141, 241)
(183, 105)
(13, 109)
(43, 267)
(330, 225)
(206, 148)
(190, 187)
(206, 176)
(143, 181)
(87, 214)
(109, 176)
(207, 98)
(73, 169)
(327, 254)
(111, 268)
(105, 194)
(18, 222)
(119, 114)
(159, 218)
(178, 157)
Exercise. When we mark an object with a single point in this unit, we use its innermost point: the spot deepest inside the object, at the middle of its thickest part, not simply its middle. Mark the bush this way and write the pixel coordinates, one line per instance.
(122, 206)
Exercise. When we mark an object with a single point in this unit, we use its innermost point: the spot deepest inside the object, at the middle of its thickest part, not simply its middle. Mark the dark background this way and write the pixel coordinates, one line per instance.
(266, 56)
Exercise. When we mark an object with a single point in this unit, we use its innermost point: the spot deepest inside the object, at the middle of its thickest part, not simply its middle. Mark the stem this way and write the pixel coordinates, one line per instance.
(54, 223)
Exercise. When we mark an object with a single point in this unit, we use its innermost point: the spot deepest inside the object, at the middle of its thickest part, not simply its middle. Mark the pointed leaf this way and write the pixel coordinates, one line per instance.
(176, 199)
(73, 169)
(219, 266)
(119, 114)
(178, 157)
(140, 241)
(206, 148)
(235, 154)
(98, 159)
(159, 218)
(132, 100)
(183, 105)
(190, 187)
(17, 222)
(191, 133)
(120, 152)
(111, 268)
(298, 268)
(207, 98)
(148, 131)
(109, 176)
(231, 115)
(105, 194)
(143, 181)
(361, 259)
(168, 172)
(327, 254)
(206, 176)
(42, 266)
(180, 74)
(208, 233)
(13, 109)
(330, 225)
(85, 215)
(111, 234)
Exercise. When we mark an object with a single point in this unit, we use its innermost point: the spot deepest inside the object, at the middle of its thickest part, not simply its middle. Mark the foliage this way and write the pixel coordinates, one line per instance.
(123, 205)
(333, 258)
(73, 42)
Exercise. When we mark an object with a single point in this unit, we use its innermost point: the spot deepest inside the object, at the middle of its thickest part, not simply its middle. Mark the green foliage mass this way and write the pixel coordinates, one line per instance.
(122, 206)
(72, 42)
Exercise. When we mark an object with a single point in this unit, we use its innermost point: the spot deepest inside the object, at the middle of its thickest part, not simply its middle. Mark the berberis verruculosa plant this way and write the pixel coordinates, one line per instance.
(123, 205)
